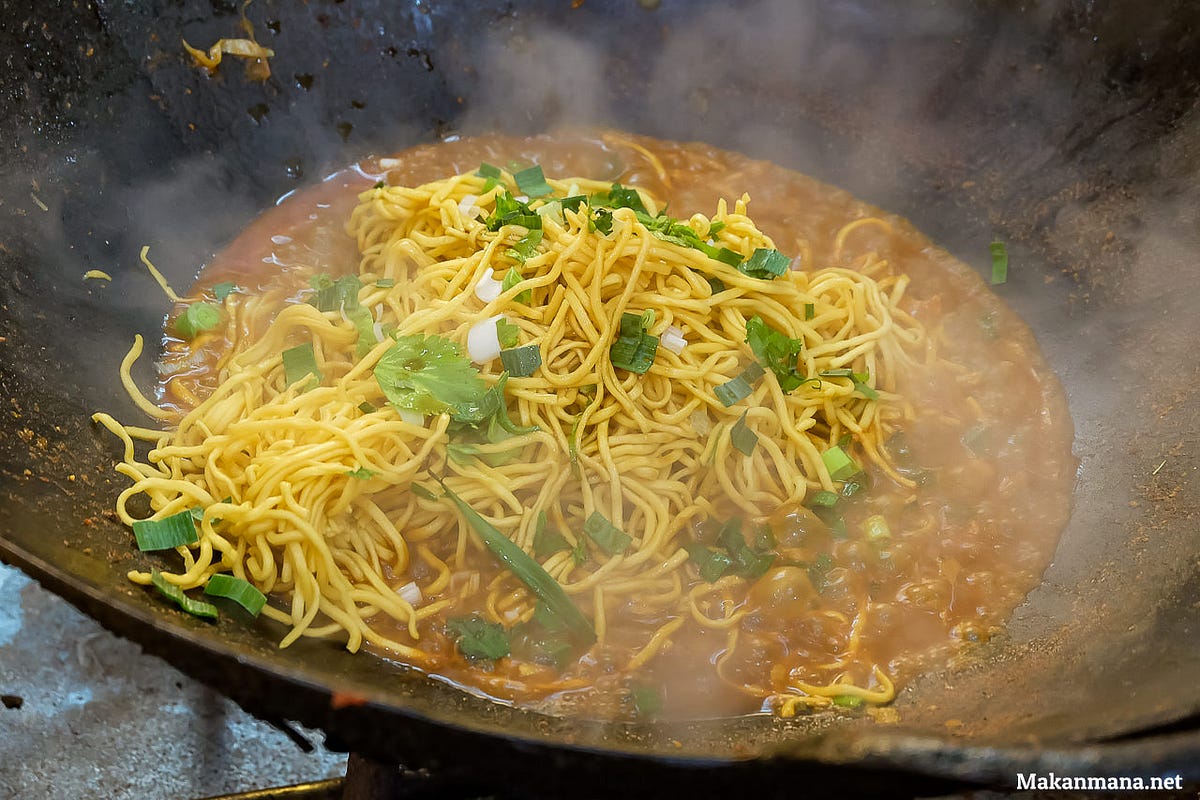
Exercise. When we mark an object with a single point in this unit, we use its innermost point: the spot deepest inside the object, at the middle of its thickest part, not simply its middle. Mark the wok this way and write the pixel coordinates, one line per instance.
(1069, 130)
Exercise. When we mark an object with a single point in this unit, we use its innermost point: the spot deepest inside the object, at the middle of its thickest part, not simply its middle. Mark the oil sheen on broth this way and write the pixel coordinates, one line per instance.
(988, 445)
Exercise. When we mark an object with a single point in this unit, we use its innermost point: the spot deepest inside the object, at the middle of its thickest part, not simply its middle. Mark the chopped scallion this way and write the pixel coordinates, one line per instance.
(367, 408)
(421, 492)
(540, 582)
(521, 362)
(647, 702)
(507, 333)
(197, 608)
(487, 170)
(866, 391)
(766, 264)
(608, 537)
(385, 283)
(237, 590)
(163, 534)
(197, 318)
(300, 361)
(839, 464)
(526, 246)
(362, 473)
(999, 262)
(810, 311)
(741, 437)
(711, 563)
(511, 279)
(848, 701)
(876, 528)
(532, 182)
(822, 499)
(741, 387)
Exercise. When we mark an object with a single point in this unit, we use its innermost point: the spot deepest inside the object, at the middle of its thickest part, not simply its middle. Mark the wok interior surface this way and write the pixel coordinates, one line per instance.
(1067, 131)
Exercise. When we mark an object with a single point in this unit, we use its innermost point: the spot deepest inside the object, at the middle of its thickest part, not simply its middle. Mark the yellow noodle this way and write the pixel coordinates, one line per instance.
(320, 510)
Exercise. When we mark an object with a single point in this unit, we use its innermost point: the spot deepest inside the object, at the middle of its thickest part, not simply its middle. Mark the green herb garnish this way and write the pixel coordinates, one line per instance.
(224, 289)
(362, 473)
(478, 639)
(428, 375)
(777, 352)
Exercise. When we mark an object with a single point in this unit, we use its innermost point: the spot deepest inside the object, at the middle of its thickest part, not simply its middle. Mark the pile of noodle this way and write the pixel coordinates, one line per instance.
(271, 465)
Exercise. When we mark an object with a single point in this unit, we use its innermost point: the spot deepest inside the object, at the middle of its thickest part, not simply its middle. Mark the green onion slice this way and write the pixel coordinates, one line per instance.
(507, 333)
(300, 361)
(532, 182)
(526, 246)
(385, 283)
(521, 362)
(839, 464)
(608, 537)
(540, 582)
(487, 170)
(362, 473)
(810, 310)
(238, 590)
(197, 318)
(822, 499)
(848, 701)
(740, 387)
(999, 262)
(741, 437)
(647, 702)
(765, 264)
(197, 608)
(711, 563)
(163, 534)
(876, 528)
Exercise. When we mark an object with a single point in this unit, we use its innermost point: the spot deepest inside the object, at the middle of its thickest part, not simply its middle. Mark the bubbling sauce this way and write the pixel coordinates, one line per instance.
(988, 445)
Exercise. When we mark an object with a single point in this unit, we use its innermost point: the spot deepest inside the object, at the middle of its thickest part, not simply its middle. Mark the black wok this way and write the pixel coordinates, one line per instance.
(1066, 129)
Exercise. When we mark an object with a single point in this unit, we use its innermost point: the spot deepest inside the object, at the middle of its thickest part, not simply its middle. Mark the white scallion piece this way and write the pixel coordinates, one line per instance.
(488, 288)
(389, 163)
(467, 207)
(483, 341)
(412, 417)
(672, 339)
(410, 593)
